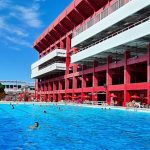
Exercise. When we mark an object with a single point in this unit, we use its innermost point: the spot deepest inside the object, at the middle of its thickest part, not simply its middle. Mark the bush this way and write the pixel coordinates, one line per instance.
(2, 91)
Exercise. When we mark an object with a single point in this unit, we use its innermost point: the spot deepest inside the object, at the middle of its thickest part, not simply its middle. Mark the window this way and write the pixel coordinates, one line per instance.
(71, 70)
(7, 86)
(11, 86)
(31, 88)
(19, 86)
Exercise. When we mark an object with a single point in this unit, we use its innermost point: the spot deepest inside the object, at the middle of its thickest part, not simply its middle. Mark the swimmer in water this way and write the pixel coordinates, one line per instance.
(36, 125)
(12, 107)
(45, 112)
(58, 108)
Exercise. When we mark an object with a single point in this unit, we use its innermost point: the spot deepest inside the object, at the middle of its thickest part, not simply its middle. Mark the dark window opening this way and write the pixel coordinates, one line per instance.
(70, 83)
(138, 73)
(101, 78)
(70, 70)
(11, 86)
(89, 81)
(63, 85)
(79, 82)
(19, 86)
(7, 86)
(118, 76)
(56, 84)
(79, 68)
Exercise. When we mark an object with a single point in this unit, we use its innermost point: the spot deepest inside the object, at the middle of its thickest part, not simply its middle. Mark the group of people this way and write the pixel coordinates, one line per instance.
(134, 104)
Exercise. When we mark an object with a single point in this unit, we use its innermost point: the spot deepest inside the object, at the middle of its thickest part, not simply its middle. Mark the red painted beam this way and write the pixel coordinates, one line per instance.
(67, 24)
(137, 86)
(42, 46)
(116, 65)
(45, 42)
(87, 89)
(140, 59)
(119, 87)
(76, 17)
(39, 49)
(93, 4)
(85, 6)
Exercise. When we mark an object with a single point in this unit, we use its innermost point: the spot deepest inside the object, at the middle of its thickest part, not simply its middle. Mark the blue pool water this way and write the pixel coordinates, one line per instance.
(72, 128)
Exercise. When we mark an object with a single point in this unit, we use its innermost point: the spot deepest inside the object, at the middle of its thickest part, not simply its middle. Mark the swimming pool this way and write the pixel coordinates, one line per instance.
(72, 128)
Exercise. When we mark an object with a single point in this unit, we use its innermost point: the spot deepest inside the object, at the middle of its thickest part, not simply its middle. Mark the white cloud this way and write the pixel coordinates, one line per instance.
(11, 28)
(18, 23)
(30, 16)
(39, 1)
(4, 3)
(20, 32)
(13, 34)
(18, 41)
(2, 24)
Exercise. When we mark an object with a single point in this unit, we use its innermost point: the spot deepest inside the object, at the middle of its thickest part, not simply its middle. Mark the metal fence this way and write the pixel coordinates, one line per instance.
(98, 17)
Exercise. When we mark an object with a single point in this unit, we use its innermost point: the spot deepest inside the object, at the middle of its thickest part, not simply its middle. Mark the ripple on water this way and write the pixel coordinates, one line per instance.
(73, 128)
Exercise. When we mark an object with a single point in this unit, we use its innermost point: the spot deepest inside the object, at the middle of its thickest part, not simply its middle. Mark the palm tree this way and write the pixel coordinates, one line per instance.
(2, 92)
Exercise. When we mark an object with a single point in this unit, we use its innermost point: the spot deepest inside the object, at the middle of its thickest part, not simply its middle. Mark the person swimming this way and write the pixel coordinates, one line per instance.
(60, 109)
(12, 107)
(36, 125)
(45, 112)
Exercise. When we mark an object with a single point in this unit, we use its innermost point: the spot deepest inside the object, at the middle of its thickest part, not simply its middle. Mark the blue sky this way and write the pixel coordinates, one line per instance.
(21, 22)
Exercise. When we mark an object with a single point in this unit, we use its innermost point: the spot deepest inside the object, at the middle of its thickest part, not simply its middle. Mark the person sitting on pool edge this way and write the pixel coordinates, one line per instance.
(36, 125)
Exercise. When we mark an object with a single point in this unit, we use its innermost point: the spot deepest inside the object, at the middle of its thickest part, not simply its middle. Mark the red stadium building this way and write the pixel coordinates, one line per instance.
(97, 50)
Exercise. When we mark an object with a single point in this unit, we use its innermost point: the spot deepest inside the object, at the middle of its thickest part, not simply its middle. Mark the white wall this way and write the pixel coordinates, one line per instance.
(54, 53)
(125, 11)
(56, 66)
(132, 34)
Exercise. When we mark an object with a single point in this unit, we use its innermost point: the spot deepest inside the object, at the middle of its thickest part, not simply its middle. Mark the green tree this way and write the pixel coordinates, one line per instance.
(2, 91)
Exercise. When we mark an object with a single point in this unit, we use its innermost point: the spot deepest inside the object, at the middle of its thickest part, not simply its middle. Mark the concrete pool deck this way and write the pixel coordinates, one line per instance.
(145, 110)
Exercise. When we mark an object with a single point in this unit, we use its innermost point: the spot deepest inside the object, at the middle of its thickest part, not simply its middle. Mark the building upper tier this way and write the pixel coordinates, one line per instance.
(69, 21)
(51, 63)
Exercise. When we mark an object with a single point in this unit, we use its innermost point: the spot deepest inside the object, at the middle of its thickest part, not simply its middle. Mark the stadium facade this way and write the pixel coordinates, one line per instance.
(97, 50)
(14, 88)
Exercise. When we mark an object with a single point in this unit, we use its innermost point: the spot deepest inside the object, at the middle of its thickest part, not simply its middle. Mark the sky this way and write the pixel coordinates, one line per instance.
(21, 22)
